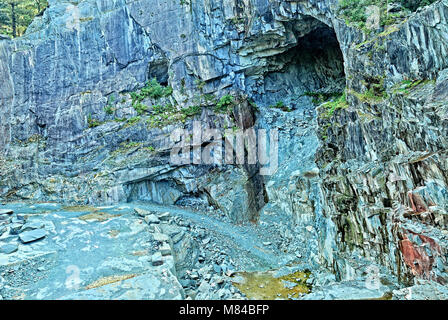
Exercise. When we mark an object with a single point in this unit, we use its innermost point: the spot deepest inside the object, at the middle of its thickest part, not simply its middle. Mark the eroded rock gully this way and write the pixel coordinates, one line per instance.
(360, 192)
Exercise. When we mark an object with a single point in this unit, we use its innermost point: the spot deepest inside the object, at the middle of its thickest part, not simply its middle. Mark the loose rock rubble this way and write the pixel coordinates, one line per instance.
(14, 227)
(203, 270)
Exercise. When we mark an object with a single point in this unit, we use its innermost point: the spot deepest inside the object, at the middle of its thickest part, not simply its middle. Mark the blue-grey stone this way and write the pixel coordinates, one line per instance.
(8, 248)
(33, 235)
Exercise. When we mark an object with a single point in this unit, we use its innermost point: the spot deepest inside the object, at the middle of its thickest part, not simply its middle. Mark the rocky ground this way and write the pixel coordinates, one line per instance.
(125, 251)
(148, 251)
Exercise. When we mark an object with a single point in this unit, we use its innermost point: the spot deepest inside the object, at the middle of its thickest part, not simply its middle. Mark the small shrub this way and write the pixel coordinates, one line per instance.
(109, 109)
(191, 111)
(331, 106)
(133, 120)
(152, 89)
(281, 105)
(225, 104)
(93, 122)
(155, 90)
(199, 84)
(413, 5)
(320, 97)
(162, 109)
(140, 108)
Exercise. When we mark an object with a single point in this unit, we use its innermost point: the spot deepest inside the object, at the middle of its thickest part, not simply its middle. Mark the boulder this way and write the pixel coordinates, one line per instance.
(157, 259)
(151, 219)
(8, 248)
(142, 212)
(165, 249)
(33, 235)
(32, 226)
(15, 228)
(160, 237)
(164, 216)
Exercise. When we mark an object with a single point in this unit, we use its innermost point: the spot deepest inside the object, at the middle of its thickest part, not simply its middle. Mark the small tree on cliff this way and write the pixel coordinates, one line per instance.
(16, 15)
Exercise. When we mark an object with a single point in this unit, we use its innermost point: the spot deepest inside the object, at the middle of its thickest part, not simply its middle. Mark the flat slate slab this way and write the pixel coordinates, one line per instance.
(33, 235)
(8, 248)
(6, 211)
(32, 226)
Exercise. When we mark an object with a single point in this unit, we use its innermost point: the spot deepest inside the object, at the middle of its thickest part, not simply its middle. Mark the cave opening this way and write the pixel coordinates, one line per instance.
(314, 65)
(309, 72)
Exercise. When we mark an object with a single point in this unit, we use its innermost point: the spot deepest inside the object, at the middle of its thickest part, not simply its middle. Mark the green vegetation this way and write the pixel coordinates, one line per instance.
(376, 91)
(16, 15)
(199, 84)
(140, 108)
(225, 104)
(133, 120)
(237, 21)
(168, 114)
(406, 86)
(413, 5)
(354, 11)
(378, 40)
(191, 111)
(109, 109)
(320, 97)
(281, 105)
(336, 104)
(93, 122)
(182, 86)
(152, 89)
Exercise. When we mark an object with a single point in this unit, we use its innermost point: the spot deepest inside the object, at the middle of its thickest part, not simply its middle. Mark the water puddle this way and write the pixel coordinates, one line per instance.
(80, 209)
(266, 286)
(98, 216)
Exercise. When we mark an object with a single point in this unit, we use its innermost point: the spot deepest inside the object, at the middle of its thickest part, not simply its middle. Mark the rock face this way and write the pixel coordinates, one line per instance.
(364, 183)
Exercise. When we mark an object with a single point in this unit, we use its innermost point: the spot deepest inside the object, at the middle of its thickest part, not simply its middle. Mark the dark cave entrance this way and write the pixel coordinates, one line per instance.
(314, 65)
